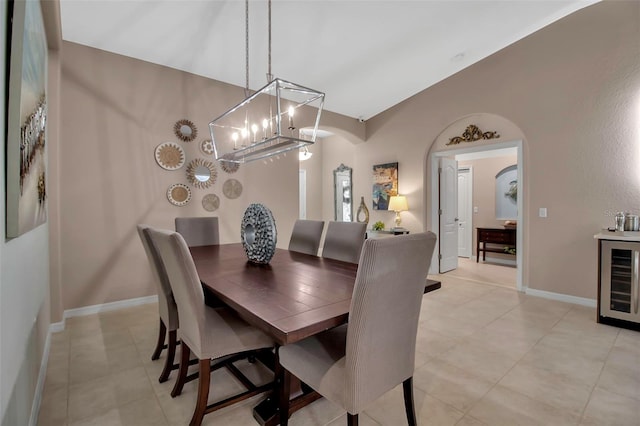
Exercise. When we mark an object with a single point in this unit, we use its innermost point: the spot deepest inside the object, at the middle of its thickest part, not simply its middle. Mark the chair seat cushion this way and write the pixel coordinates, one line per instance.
(321, 361)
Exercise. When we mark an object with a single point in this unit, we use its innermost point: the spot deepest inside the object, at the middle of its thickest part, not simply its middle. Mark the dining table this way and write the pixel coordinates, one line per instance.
(294, 296)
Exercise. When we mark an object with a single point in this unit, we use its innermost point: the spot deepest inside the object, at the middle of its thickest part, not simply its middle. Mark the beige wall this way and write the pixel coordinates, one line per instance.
(573, 88)
(484, 172)
(116, 110)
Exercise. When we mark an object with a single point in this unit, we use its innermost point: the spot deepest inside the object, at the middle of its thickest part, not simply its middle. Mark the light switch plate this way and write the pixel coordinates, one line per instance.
(542, 212)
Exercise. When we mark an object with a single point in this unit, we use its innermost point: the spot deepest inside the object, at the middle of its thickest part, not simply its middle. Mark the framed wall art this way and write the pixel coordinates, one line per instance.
(26, 157)
(385, 184)
(507, 193)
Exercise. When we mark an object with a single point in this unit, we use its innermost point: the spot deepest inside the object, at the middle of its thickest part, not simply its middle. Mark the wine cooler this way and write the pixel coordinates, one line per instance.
(618, 298)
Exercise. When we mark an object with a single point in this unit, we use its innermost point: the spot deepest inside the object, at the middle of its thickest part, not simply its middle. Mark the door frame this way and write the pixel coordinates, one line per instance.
(469, 170)
(434, 160)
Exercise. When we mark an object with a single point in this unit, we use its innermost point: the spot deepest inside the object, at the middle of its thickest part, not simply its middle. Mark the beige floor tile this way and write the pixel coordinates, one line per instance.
(512, 346)
(90, 399)
(143, 412)
(319, 412)
(475, 358)
(131, 385)
(432, 343)
(469, 421)
(504, 297)
(123, 358)
(502, 406)
(108, 418)
(628, 339)
(556, 390)
(451, 385)
(53, 407)
(577, 344)
(478, 312)
(621, 374)
(363, 420)
(239, 414)
(606, 408)
(87, 363)
(451, 327)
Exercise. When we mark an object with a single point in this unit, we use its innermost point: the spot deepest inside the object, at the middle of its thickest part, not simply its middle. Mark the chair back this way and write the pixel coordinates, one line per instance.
(383, 317)
(344, 241)
(306, 236)
(198, 231)
(166, 304)
(185, 284)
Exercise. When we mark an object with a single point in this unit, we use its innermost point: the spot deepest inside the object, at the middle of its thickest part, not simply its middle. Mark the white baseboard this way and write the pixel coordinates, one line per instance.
(111, 306)
(42, 374)
(591, 303)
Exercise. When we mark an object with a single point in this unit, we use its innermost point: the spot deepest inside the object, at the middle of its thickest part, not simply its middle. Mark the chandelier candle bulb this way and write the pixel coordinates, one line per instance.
(265, 124)
(291, 112)
(234, 136)
(254, 129)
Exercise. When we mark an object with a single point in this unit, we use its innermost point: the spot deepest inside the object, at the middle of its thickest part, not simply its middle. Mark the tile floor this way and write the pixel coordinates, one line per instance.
(486, 355)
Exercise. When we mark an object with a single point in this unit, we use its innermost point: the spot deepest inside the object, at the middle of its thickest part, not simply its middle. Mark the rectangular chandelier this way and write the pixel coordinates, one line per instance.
(268, 123)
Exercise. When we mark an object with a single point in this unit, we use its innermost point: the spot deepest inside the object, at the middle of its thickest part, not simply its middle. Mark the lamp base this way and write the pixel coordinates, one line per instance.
(398, 220)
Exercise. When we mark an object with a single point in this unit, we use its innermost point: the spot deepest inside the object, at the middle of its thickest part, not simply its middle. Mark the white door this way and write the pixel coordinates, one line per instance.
(302, 181)
(465, 199)
(448, 214)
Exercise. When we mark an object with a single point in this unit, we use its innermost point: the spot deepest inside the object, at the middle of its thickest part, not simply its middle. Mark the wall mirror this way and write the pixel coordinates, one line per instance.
(185, 130)
(201, 173)
(342, 194)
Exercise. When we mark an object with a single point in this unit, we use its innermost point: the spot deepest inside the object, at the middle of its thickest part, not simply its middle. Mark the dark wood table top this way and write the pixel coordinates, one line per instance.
(295, 296)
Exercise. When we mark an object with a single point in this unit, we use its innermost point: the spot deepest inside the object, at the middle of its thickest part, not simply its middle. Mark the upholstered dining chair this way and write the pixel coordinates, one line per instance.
(211, 334)
(198, 231)
(306, 235)
(354, 364)
(344, 240)
(166, 305)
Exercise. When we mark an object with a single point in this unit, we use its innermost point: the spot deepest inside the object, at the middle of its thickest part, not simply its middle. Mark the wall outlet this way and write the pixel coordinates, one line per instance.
(475, 209)
(542, 212)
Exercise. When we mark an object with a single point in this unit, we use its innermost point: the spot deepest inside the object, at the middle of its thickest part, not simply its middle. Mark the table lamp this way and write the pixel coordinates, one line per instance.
(398, 203)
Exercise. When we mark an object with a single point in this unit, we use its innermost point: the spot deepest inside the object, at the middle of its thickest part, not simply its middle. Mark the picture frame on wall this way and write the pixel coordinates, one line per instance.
(507, 193)
(25, 144)
(385, 184)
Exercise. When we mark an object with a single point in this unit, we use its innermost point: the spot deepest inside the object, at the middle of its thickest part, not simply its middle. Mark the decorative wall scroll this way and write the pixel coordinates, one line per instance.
(210, 202)
(179, 194)
(170, 156)
(185, 130)
(385, 184)
(201, 173)
(471, 134)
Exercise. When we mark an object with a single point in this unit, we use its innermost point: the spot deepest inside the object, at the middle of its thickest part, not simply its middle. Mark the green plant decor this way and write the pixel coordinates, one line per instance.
(378, 226)
(509, 250)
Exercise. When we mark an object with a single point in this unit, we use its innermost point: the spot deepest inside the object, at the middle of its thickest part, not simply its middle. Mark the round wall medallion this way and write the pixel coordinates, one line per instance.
(229, 167)
(185, 130)
(201, 173)
(232, 188)
(210, 202)
(258, 233)
(206, 146)
(179, 194)
(170, 156)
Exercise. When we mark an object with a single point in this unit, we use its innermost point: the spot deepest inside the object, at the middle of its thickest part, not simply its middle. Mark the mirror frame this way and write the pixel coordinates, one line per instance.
(191, 173)
(178, 132)
(341, 169)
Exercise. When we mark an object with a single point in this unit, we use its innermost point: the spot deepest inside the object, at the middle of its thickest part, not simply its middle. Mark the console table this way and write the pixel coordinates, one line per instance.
(504, 237)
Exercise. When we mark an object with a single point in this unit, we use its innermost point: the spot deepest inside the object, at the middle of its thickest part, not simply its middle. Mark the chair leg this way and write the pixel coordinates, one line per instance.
(203, 392)
(283, 397)
(407, 387)
(161, 335)
(352, 419)
(171, 354)
(185, 352)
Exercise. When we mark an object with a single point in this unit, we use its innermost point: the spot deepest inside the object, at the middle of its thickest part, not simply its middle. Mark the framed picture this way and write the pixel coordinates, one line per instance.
(507, 193)
(385, 184)
(26, 158)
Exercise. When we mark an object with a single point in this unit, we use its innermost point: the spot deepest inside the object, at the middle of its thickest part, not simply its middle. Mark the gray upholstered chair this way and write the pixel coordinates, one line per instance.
(198, 231)
(166, 305)
(306, 235)
(208, 333)
(354, 364)
(344, 240)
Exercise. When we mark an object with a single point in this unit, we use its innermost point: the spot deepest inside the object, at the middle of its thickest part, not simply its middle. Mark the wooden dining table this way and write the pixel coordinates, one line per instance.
(294, 296)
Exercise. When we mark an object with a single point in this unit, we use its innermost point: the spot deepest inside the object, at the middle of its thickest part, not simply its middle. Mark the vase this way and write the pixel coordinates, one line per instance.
(362, 210)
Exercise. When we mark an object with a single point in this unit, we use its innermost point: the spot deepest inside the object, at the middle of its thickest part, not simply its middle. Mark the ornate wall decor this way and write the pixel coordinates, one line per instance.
(206, 146)
(229, 167)
(201, 173)
(210, 202)
(471, 134)
(258, 233)
(232, 188)
(363, 212)
(179, 194)
(185, 130)
(170, 156)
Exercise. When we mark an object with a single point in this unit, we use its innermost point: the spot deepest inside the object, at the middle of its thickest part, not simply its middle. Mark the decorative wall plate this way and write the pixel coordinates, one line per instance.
(185, 130)
(170, 156)
(206, 146)
(232, 188)
(179, 194)
(258, 233)
(229, 167)
(201, 173)
(210, 202)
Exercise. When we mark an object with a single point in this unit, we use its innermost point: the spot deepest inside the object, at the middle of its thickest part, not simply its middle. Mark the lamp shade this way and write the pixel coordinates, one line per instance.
(398, 203)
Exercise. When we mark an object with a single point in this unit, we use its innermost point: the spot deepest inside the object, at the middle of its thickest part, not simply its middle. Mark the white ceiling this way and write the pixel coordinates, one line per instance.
(366, 55)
